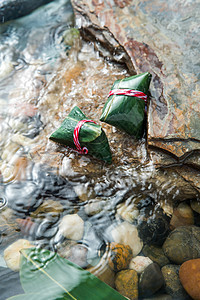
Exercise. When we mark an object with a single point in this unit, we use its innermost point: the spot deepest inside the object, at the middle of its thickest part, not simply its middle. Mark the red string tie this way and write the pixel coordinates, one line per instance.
(80, 150)
(126, 92)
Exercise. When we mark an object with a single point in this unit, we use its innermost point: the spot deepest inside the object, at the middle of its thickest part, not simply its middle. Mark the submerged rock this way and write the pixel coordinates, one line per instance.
(10, 10)
(156, 254)
(12, 253)
(126, 283)
(151, 280)
(189, 276)
(120, 256)
(182, 215)
(72, 227)
(127, 234)
(183, 244)
(140, 263)
(173, 285)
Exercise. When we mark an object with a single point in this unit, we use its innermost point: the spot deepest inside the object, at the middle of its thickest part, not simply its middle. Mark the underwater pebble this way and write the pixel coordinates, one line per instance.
(127, 212)
(151, 280)
(156, 254)
(182, 244)
(72, 227)
(93, 207)
(126, 283)
(154, 228)
(12, 253)
(195, 205)
(104, 272)
(127, 234)
(76, 253)
(173, 285)
(182, 215)
(139, 263)
(189, 274)
(120, 256)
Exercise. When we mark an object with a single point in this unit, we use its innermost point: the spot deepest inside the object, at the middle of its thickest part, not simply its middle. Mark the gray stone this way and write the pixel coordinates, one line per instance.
(173, 285)
(151, 280)
(10, 10)
(156, 254)
(183, 244)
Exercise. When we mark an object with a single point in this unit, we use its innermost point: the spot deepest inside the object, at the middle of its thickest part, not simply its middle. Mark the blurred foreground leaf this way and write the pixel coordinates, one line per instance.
(46, 275)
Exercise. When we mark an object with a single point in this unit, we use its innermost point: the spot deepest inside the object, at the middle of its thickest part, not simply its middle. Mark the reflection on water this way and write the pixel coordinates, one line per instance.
(46, 70)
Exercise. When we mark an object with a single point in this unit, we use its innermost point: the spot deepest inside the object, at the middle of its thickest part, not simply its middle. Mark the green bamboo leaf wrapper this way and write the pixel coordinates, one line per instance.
(127, 112)
(46, 274)
(91, 135)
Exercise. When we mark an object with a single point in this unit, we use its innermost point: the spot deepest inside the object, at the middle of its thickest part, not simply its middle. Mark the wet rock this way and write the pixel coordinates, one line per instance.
(153, 227)
(195, 205)
(156, 254)
(151, 280)
(182, 215)
(140, 263)
(26, 196)
(23, 196)
(10, 283)
(10, 10)
(72, 227)
(127, 212)
(127, 234)
(183, 244)
(120, 256)
(113, 27)
(189, 274)
(49, 208)
(76, 253)
(103, 271)
(12, 253)
(93, 207)
(126, 283)
(173, 285)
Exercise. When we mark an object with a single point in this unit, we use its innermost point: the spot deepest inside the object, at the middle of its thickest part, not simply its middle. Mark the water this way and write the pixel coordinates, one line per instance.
(46, 69)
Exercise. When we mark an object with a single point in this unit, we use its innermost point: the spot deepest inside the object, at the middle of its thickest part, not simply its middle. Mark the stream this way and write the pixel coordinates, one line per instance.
(46, 69)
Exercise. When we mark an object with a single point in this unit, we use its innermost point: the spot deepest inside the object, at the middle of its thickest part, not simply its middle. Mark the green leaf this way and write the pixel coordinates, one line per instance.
(45, 274)
(91, 135)
(126, 112)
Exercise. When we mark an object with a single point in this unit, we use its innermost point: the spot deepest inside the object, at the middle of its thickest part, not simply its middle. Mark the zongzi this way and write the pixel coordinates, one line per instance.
(77, 130)
(125, 107)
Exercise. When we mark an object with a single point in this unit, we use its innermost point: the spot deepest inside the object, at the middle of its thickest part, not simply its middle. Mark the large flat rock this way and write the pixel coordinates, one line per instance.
(161, 37)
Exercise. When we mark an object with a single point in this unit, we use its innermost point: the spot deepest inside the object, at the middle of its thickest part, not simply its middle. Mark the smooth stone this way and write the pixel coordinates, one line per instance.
(12, 253)
(93, 207)
(182, 216)
(10, 10)
(76, 253)
(120, 256)
(189, 275)
(127, 212)
(183, 244)
(195, 205)
(127, 234)
(48, 208)
(103, 272)
(72, 227)
(154, 226)
(151, 280)
(156, 254)
(173, 285)
(140, 263)
(126, 283)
